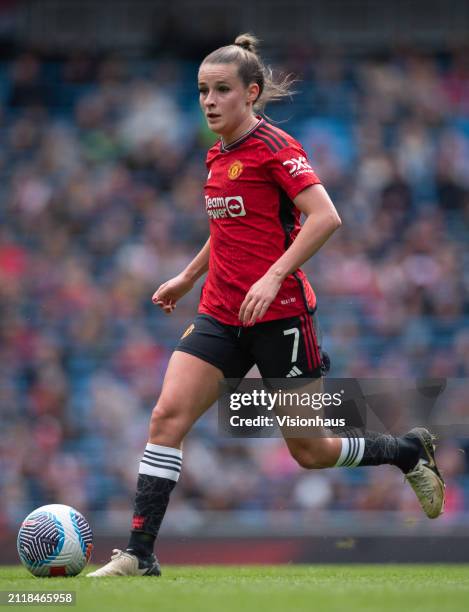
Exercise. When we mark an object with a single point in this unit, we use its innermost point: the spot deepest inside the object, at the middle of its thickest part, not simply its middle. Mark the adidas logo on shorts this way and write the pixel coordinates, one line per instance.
(294, 372)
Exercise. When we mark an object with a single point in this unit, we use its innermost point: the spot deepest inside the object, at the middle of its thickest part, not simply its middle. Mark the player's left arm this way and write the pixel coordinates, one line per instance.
(321, 222)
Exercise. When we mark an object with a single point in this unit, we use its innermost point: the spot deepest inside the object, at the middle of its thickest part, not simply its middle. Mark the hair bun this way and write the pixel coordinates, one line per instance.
(248, 42)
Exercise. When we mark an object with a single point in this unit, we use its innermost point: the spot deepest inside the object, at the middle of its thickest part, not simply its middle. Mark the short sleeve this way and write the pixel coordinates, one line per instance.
(291, 170)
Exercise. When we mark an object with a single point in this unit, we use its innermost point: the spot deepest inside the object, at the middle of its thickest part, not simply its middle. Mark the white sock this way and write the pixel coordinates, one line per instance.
(161, 461)
(351, 453)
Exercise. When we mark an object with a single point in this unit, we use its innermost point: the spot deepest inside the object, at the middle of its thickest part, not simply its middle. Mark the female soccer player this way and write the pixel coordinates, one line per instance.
(255, 301)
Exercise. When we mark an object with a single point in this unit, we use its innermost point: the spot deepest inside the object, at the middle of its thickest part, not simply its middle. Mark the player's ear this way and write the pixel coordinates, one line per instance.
(253, 93)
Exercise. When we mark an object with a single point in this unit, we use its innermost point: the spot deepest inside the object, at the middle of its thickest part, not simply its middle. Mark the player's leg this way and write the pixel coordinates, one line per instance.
(207, 352)
(190, 387)
(413, 453)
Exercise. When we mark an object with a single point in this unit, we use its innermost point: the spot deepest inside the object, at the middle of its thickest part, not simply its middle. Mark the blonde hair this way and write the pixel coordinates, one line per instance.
(251, 69)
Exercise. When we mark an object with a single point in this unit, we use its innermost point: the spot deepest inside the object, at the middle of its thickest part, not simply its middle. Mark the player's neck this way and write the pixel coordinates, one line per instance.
(243, 128)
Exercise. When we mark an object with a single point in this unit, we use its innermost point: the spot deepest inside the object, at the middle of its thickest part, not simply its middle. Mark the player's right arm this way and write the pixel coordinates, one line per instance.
(172, 290)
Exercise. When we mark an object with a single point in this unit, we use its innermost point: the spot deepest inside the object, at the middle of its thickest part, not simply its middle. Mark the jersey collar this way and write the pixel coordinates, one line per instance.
(226, 148)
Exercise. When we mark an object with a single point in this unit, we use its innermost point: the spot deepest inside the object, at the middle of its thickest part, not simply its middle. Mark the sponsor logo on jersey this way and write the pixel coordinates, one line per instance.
(188, 331)
(222, 208)
(235, 170)
(297, 166)
(235, 206)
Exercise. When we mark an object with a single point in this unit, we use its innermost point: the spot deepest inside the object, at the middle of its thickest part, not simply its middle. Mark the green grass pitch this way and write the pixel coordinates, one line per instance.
(318, 588)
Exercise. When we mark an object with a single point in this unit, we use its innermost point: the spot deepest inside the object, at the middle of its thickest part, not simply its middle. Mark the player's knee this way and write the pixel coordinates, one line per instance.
(166, 425)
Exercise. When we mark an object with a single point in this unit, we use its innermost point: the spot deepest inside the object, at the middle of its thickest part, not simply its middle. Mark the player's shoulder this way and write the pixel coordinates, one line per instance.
(274, 140)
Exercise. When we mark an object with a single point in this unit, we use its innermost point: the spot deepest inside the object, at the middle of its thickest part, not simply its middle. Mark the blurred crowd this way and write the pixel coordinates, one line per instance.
(101, 177)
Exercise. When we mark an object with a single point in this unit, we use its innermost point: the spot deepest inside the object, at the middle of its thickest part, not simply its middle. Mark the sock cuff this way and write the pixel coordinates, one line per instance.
(161, 461)
(351, 452)
(156, 448)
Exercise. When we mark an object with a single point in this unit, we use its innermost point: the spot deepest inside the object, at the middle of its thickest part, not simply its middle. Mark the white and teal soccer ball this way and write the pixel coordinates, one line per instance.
(55, 540)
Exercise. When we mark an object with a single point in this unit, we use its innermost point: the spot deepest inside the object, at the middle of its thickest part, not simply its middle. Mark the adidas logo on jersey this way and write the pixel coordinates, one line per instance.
(297, 165)
(221, 208)
(294, 372)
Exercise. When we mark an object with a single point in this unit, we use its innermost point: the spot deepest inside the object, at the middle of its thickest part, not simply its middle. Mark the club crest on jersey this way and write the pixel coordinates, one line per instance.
(222, 208)
(297, 165)
(235, 170)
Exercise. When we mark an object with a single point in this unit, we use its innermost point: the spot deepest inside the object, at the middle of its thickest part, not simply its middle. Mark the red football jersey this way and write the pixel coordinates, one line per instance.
(249, 196)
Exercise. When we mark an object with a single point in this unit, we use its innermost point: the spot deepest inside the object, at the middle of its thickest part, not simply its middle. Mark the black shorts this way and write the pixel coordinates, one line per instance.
(284, 348)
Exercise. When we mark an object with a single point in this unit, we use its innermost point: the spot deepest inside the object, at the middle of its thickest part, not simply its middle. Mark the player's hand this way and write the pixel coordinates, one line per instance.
(258, 299)
(170, 292)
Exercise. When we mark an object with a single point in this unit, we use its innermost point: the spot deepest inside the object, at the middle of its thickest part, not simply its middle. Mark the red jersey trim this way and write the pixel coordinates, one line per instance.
(274, 137)
(276, 132)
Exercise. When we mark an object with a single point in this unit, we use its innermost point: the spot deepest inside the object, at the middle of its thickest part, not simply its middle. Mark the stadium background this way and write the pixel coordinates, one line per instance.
(102, 152)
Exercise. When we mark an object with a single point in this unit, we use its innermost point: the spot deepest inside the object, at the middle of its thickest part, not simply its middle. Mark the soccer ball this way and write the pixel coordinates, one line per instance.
(55, 540)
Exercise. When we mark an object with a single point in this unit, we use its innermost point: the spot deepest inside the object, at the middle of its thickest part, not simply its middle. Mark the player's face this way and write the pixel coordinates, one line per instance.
(226, 102)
